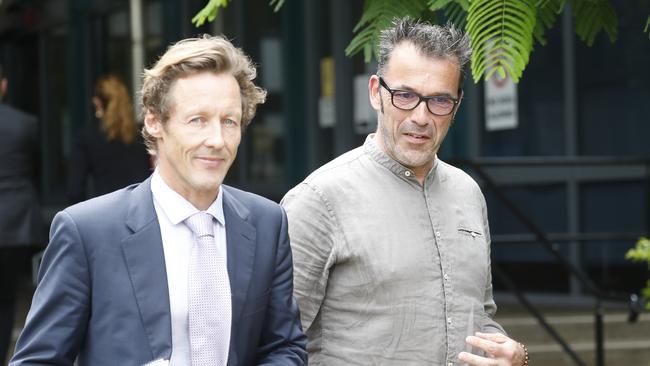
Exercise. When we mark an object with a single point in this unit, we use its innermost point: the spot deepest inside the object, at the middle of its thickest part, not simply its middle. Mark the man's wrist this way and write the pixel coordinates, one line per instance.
(523, 348)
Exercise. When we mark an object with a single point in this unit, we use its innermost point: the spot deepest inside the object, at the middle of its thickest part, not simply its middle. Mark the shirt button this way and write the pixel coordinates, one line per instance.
(450, 364)
(437, 234)
(407, 173)
(449, 321)
(446, 276)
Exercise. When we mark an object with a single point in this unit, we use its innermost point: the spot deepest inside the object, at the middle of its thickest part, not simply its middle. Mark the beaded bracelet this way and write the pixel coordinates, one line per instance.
(525, 354)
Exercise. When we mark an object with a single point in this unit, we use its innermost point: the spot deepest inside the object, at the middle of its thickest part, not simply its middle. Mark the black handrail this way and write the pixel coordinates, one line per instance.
(600, 295)
(536, 313)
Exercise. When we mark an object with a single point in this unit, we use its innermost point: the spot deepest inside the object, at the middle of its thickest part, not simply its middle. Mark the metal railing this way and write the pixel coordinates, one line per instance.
(635, 304)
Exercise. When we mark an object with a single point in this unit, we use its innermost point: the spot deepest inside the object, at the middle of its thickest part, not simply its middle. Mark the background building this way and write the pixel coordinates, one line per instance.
(575, 161)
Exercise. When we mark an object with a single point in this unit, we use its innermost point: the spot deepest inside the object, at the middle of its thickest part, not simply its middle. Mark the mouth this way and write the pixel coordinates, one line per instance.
(210, 162)
(417, 138)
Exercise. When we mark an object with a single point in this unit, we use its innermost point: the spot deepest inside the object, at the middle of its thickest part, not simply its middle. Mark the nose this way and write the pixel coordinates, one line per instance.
(421, 115)
(214, 138)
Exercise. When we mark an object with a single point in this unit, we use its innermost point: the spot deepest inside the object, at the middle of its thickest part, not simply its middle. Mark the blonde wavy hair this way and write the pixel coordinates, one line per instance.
(118, 120)
(192, 56)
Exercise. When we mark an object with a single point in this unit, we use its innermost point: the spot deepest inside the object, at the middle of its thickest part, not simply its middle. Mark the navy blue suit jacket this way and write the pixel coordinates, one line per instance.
(102, 296)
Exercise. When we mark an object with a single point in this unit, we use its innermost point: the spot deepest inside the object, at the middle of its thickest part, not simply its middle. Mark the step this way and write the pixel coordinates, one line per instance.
(577, 327)
(625, 343)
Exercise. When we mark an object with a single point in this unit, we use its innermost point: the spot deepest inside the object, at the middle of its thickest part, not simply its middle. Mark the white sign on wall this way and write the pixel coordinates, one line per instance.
(365, 118)
(500, 103)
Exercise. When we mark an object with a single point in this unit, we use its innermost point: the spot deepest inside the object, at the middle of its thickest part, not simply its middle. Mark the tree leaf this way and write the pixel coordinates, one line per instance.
(592, 17)
(435, 5)
(276, 4)
(379, 15)
(501, 33)
(547, 12)
(209, 12)
(457, 14)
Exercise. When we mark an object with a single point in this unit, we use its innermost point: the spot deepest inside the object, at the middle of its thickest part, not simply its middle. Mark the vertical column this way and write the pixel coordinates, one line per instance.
(341, 32)
(311, 43)
(570, 122)
(137, 49)
(239, 40)
(293, 97)
(77, 55)
(472, 104)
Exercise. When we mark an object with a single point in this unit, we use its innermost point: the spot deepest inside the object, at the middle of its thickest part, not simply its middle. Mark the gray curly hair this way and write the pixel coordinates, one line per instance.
(432, 40)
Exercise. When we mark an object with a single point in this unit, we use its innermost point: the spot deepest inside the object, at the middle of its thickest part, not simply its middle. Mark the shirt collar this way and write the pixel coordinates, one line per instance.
(376, 153)
(176, 207)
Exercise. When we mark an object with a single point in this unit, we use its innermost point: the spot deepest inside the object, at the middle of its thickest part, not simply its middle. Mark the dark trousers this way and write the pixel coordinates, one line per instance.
(14, 265)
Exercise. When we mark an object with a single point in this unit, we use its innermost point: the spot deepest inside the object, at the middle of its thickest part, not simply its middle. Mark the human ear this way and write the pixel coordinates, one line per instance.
(373, 92)
(152, 124)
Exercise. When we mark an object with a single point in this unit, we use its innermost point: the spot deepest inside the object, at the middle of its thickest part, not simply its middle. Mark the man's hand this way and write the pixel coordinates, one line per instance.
(500, 351)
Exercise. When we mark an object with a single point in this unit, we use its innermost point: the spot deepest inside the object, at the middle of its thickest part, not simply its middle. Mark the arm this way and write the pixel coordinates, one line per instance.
(56, 324)
(493, 339)
(282, 341)
(488, 300)
(312, 230)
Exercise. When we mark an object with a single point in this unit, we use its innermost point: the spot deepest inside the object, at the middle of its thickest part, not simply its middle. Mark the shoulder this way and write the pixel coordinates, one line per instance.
(458, 183)
(251, 201)
(455, 176)
(335, 176)
(103, 209)
(11, 114)
(337, 168)
(331, 182)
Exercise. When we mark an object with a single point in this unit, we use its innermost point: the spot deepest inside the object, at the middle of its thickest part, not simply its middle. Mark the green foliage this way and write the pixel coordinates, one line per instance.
(592, 16)
(501, 34)
(456, 13)
(502, 31)
(378, 15)
(641, 253)
(209, 12)
(277, 4)
(547, 13)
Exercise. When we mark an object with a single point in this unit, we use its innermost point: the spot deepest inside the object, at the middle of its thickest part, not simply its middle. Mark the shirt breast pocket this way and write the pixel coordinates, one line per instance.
(471, 259)
(473, 233)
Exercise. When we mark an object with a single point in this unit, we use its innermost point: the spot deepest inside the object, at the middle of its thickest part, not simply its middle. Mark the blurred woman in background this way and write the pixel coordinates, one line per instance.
(110, 153)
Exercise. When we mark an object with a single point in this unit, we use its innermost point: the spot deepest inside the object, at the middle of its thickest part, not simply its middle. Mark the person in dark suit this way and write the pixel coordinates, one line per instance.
(21, 225)
(111, 152)
(180, 269)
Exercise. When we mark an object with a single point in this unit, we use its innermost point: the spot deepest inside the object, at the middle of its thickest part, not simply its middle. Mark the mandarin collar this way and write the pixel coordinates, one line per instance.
(377, 154)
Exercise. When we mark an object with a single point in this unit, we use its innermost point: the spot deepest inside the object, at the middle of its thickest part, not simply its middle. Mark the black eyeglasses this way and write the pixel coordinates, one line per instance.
(438, 105)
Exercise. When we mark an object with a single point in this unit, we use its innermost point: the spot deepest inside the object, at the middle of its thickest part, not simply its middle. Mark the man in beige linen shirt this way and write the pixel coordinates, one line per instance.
(391, 245)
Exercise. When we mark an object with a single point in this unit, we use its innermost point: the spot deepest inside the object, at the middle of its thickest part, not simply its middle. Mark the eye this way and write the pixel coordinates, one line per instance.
(196, 121)
(445, 101)
(229, 122)
(404, 95)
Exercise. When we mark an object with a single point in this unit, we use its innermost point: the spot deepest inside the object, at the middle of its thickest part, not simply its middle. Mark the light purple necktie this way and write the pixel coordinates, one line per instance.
(209, 305)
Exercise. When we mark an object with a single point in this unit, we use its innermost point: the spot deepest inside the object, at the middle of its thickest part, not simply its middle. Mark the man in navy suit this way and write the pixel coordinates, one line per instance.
(119, 283)
(21, 226)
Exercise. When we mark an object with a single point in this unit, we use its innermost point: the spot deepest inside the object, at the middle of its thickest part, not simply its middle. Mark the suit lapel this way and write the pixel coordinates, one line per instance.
(240, 241)
(145, 260)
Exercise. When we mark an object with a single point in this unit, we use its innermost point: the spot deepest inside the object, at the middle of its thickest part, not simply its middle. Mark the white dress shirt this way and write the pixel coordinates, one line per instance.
(172, 209)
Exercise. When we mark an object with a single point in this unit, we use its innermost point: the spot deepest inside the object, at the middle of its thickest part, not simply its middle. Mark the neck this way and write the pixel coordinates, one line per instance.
(202, 202)
(421, 173)
(199, 198)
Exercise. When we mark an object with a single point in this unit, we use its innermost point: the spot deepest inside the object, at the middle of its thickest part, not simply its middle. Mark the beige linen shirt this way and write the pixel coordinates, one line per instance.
(389, 271)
